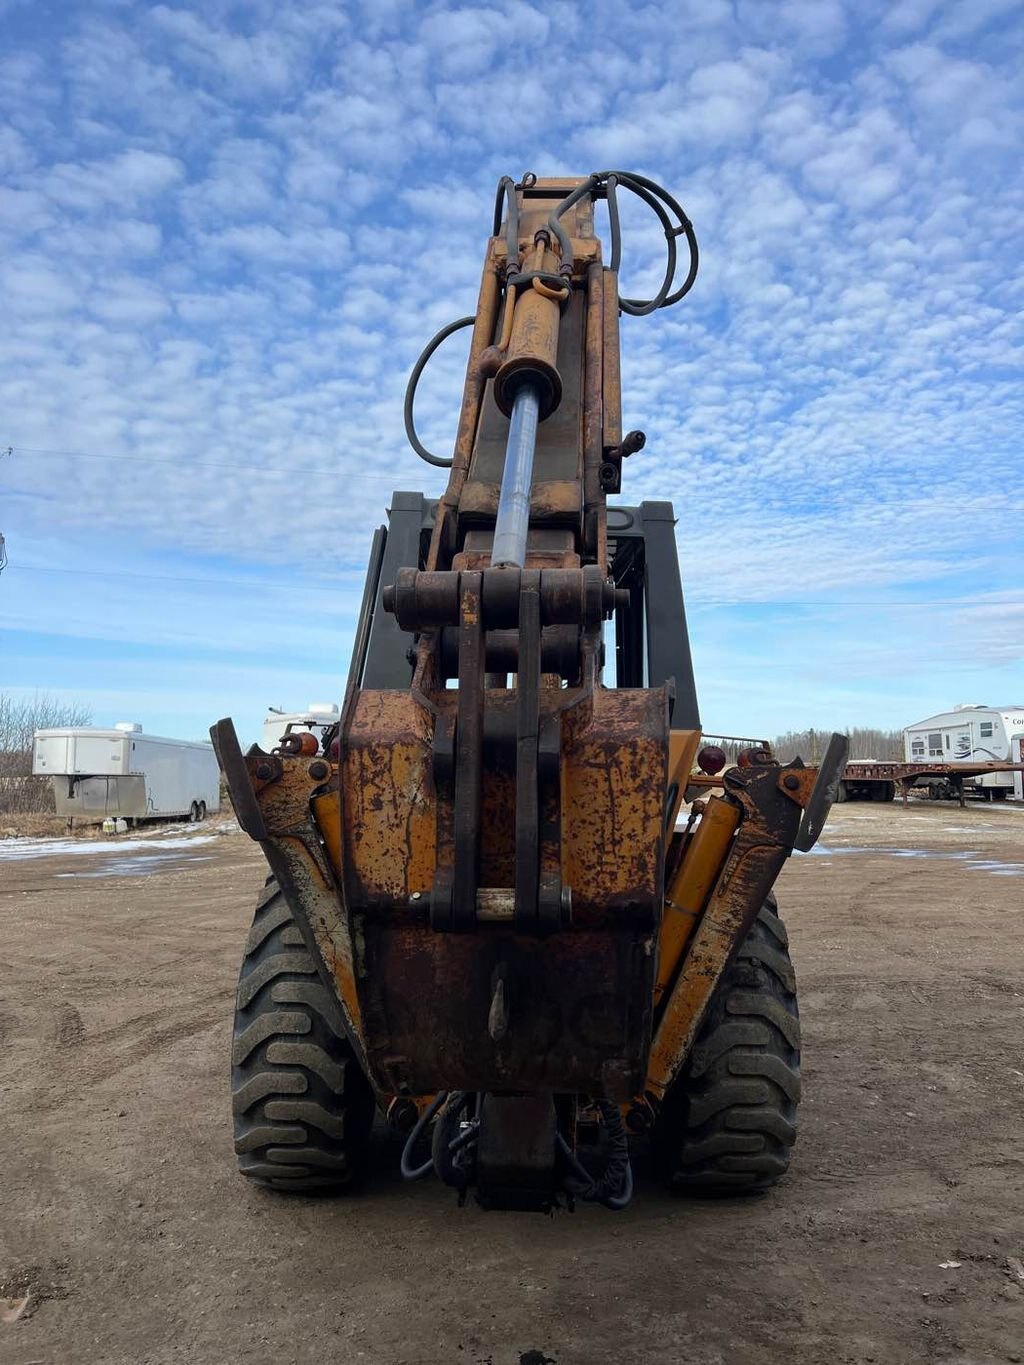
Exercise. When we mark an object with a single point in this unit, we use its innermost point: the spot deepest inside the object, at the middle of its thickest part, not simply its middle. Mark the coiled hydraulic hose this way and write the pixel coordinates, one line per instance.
(674, 223)
(662, 203)
(409, 1171)
(614, 1187)
(410, 391)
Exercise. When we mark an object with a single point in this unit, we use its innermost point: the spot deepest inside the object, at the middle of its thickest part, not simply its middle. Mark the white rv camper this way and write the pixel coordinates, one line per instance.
(970, 733)
(316, 717)
(122, 772)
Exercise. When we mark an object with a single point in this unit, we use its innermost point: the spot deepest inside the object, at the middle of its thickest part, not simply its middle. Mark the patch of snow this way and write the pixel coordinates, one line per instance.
(16, 850)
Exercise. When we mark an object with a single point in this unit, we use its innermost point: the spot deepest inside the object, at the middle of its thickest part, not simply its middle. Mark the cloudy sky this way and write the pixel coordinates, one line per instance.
(226, 231)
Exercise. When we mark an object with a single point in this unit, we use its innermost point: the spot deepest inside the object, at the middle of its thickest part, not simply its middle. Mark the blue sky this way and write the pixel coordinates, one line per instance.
(226, 230)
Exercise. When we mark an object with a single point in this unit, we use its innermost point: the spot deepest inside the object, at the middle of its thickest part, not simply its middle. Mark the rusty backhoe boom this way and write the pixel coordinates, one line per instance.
(483, 860)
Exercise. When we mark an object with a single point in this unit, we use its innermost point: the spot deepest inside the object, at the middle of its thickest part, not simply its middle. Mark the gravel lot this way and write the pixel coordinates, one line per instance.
(125, 1222)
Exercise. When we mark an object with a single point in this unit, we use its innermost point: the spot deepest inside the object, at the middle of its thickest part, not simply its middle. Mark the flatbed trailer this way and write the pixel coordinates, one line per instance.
(868, 780)
(865, 780)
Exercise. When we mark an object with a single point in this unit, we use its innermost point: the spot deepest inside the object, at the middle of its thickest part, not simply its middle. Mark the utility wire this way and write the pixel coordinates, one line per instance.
(308, 580)
(727, 602)
(144, 466)
(3, 543)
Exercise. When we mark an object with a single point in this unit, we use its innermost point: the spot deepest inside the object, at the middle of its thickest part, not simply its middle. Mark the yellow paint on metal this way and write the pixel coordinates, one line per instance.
(327, 814)
(751, 863)
(682, 750)
(689, 889)
(326, 811)
(692, 884)
(390, 803)
(614, 770)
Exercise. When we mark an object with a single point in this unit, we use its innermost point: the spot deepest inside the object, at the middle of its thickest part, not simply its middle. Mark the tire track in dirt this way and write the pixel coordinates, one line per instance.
(77, 1061)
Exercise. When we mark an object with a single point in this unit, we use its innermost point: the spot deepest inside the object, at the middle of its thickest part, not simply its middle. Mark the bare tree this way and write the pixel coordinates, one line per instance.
(865, 742)
(19, 720)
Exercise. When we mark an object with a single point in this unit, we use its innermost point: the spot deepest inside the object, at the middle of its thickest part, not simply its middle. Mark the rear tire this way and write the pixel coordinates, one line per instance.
(202, 810)
(193, 813)
(302, 1105)
(729, 1121)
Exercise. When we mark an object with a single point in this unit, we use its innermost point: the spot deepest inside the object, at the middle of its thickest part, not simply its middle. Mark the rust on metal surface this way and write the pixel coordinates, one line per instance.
(390, 799)
(279, 812)
(682, 745)
(551, 501)
(613, 793)
(769, 821)
(472, 400)
(798, 783)
(579, 999)
(532, 353)
(611, 385)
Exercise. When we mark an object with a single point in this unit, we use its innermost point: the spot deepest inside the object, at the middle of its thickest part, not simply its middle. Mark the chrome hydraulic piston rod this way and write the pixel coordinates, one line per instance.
(513, 519)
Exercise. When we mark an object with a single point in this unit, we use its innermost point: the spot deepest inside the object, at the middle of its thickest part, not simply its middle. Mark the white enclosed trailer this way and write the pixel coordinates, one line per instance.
(123, 772)
(970, 733)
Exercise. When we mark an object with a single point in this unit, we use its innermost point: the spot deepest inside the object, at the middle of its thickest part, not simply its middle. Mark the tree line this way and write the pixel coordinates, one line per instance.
(20, 792)
(886, 746)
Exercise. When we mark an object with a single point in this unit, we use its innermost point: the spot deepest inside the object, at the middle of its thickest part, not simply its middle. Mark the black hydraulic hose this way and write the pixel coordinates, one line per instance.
(618, 1173)
(587, 1189)
(641, 307)
(659, 200)
(554, 220)
(685, 227)
(619, 1169)
(613, 221)
(409, 1171)
(464, 1139)
(507, 195)
(410, 391)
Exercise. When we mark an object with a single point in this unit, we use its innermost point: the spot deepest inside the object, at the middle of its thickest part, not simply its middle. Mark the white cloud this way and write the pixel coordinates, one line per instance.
(226, 235)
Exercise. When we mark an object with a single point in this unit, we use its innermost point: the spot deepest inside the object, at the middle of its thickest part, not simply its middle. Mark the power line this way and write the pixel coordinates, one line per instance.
(727, 602)
(180, 578)
(147, 465)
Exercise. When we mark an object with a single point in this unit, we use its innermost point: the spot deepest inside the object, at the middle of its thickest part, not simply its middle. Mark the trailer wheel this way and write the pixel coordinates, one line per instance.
(729, 1121)
(193, 813)
(841, 793)
(302, 1105)
(202, 810)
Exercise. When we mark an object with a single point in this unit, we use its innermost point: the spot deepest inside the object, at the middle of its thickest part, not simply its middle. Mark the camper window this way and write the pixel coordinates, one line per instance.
(917, 748)
(935, 746)
(986, 729)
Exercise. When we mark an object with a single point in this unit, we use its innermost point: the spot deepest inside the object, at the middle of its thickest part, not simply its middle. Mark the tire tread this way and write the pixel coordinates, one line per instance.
(729, 1120)
(302, 1105)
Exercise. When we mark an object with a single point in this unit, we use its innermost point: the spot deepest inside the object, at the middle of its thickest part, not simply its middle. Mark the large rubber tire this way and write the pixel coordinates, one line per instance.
(729, 1121)
(302, 1105)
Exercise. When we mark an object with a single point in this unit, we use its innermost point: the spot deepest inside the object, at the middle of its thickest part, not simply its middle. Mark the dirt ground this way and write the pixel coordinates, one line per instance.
(124, 1220)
